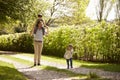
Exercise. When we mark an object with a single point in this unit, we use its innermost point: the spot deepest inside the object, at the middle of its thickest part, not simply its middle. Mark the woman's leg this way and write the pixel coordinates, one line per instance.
(35, 52)
(39, 51)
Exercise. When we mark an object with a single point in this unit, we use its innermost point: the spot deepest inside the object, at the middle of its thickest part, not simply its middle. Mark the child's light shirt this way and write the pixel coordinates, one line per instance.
(68, 54)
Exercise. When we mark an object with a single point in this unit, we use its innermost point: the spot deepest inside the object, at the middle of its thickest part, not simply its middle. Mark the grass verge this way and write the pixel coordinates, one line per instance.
(21, 61)
(8, 72)
(92, 65)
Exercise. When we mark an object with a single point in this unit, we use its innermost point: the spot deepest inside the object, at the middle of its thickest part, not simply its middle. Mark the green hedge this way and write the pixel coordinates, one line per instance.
(21, 42)
(97, 42)
(56, 42)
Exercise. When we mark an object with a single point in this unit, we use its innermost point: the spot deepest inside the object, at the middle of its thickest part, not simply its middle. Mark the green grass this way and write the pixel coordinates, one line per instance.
(17, 59)
(92, 65)
(8, 72)
(105, 67)
(77, 76)
(94, 76)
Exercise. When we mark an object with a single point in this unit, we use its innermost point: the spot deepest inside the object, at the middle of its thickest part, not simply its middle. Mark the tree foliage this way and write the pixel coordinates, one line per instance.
(103, 9)
(12, 8)
(100, 42)
(77, 13)
(20, 9)
(15, 12)
(57, 10)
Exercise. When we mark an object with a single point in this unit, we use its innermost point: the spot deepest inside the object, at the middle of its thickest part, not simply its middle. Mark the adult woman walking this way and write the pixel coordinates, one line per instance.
(38, 33)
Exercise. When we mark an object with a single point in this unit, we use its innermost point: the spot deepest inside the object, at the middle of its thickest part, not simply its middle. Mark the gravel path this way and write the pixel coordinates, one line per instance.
(35, 74)
(104, 74)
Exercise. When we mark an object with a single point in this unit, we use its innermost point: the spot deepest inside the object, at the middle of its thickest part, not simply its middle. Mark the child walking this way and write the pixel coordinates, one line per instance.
(68, 56)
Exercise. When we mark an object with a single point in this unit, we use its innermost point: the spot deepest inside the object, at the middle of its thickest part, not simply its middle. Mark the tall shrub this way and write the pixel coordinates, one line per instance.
(16, 42)
(99, 42)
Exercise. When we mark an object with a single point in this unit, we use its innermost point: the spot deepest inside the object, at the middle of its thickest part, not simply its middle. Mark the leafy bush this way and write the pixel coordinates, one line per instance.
(98, 42)
(92, 75)
(8, 72)
(20, 28)
(16, 42)
(3, 32)
(56, 42)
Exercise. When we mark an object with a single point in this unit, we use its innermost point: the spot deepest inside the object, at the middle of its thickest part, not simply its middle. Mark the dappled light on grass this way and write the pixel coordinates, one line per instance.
(17, 59)
(88, 64)
(106, 67)
(7, 71)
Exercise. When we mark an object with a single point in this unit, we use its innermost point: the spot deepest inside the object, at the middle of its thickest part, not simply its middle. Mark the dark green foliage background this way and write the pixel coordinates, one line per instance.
(100, 42)
(21, 42)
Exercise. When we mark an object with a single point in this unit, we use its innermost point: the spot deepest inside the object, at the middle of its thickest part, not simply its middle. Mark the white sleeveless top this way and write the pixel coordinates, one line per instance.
(39, 35)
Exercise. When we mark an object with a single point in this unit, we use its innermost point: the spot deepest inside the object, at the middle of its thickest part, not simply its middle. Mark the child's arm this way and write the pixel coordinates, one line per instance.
(65, 54)
(32, 31)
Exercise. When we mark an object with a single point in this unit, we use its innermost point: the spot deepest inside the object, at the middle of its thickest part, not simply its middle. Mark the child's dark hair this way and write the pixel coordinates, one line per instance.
(39, 15)
(70, 45)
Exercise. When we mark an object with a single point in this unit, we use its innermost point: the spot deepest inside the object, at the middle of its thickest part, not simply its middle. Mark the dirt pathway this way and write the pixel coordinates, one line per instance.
(33, 73)
(104, 74)
(29, 71)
